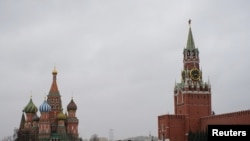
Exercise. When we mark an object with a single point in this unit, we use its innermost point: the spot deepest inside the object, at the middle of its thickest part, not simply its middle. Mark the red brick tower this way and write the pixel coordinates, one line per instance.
(54, 100)
(72, 121)
(192, 96)
(61, 129)
(44, 122)
(30, 110)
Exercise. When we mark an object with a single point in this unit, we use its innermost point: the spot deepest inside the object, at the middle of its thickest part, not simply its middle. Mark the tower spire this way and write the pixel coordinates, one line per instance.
(21, 126)
(54, 88)
(190, 41)
(54, 100)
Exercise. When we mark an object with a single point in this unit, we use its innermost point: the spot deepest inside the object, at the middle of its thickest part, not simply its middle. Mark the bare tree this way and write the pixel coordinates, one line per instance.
(15, 134)
(8, 138)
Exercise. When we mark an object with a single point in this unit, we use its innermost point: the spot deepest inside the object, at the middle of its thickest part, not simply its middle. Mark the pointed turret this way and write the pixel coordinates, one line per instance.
(54, 97)
(191, 53)
(21, 126)
(54, 89)
(54, 100)
(190, 41)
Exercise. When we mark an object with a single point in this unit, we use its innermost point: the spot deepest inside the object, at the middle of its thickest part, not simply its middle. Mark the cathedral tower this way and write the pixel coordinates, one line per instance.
(61, 129)
(54, 100)
(72, 121)
(44, 122)
(30, 110)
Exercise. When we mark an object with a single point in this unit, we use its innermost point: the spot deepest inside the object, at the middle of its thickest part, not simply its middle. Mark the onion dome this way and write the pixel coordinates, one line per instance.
(35, 118)
(45, 107)
(30, 107)
(61, 116)
(71, 105)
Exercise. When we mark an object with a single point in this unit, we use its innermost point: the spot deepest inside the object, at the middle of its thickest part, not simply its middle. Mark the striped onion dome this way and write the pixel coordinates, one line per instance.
(45, 107)
(30, 107)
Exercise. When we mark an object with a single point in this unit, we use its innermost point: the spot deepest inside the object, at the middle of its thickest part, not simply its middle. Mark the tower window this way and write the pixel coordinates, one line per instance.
(193, 52)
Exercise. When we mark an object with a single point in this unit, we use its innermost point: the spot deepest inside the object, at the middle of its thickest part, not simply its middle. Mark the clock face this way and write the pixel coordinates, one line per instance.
(195, 74)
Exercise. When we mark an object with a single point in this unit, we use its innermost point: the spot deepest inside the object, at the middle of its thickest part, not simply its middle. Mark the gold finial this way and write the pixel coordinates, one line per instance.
(54, 70)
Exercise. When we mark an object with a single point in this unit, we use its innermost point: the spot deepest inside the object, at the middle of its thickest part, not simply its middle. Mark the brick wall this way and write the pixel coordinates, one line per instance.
(240, 117)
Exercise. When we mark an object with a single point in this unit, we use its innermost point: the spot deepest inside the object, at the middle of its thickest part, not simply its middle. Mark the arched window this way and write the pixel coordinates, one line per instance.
(193, 52)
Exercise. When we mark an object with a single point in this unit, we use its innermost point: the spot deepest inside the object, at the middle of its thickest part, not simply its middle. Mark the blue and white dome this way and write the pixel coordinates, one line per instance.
(45, 107)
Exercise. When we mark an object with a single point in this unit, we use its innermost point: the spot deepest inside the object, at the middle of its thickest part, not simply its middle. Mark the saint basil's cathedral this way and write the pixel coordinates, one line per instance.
(53, 124)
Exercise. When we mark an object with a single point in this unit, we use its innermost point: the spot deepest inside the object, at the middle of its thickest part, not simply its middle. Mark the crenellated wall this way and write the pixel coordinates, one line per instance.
(239, 117)
(172, 126)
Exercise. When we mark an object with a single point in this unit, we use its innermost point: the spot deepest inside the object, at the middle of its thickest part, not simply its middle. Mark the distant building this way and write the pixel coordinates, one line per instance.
(192, 102)
(102, 139)
(141, 138)
(52, 124)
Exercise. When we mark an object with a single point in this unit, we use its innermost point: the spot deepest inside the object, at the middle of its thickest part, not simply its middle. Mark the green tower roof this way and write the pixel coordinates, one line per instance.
(190, 41)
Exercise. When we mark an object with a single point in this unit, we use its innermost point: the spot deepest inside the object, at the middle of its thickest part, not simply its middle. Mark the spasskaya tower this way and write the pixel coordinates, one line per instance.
(192, 98)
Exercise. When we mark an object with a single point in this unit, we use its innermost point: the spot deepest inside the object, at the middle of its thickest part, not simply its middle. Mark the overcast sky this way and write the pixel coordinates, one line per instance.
(120, 59)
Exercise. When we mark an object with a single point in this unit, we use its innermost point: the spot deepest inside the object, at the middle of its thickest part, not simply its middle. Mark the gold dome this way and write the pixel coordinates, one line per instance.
(61, 116)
